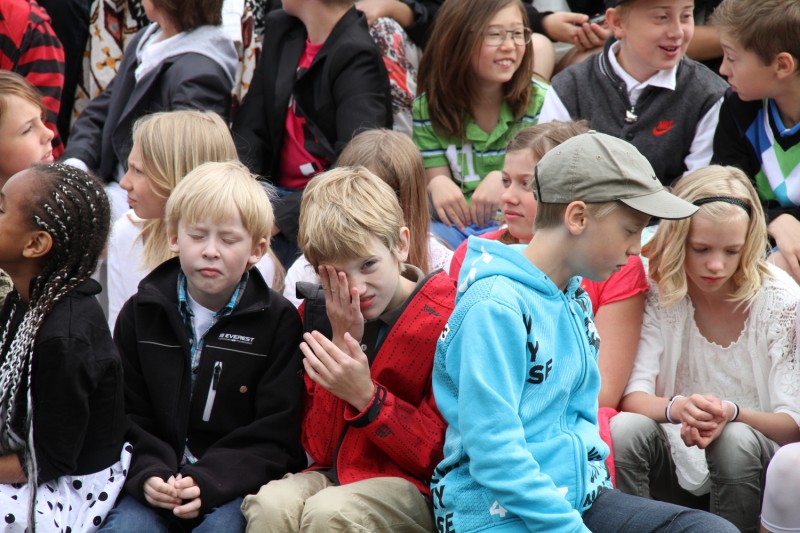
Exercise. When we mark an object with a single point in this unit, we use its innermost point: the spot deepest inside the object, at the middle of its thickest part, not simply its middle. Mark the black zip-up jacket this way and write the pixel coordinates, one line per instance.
(243, 419)
(344, 91)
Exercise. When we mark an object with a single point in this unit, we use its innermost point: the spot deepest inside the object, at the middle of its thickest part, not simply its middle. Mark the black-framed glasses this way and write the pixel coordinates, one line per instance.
(520, 37)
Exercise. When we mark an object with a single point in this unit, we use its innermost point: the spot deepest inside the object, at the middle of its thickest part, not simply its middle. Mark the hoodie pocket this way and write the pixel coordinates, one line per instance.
(212, 391)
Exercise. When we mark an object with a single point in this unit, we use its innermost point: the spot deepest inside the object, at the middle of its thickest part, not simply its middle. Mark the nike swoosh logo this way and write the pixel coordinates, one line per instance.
(661, 129)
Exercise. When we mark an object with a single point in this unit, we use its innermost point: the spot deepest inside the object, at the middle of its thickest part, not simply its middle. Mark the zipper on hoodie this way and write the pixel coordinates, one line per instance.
(212, 391)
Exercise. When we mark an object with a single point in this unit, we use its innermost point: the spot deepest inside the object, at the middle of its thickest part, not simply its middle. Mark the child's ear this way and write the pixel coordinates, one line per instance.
(403, 244)
(785, 65)
(38, 245)
(258, 251)
(173, 242)
(614, 20)
(575, 217)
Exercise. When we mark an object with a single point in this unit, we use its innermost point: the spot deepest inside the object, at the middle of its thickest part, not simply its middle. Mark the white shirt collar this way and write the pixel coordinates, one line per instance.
(666, 79)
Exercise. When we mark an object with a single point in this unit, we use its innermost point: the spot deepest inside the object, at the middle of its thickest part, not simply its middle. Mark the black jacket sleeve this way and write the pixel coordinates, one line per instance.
(152, 456)
(424, 14)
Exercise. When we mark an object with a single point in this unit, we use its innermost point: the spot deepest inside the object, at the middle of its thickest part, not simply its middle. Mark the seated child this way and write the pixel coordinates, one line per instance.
(759, 123)
(617, 303)
(713, 389)
(370, 426)
(212, 368)
(183, 59)
(166, 147)
(515, 373)
(642, 89)
(62, 418)
(475, 91)
(32, 49)
(24, 137)
(392, 157)
(320, 80)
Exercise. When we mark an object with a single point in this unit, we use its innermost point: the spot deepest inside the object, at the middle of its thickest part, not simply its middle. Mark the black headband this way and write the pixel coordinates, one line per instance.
(728, 200)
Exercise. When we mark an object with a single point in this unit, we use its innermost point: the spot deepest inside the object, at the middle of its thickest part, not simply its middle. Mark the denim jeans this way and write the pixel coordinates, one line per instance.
(131, 516)
(616, 512)
(736, 461)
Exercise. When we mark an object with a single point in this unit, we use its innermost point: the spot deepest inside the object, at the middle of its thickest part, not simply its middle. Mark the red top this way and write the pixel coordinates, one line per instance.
(298, 166)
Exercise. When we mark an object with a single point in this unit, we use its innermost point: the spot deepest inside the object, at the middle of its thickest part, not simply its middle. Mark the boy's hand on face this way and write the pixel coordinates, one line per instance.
(486, 198)
(160, 493)
(189, 493)
(345, 374)
(342, 305)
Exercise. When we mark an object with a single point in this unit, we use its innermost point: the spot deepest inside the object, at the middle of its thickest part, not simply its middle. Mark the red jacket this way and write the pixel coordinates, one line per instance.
(400, 433)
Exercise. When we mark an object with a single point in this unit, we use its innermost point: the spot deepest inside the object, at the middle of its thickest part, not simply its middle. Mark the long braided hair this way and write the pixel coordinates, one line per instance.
(72, 207)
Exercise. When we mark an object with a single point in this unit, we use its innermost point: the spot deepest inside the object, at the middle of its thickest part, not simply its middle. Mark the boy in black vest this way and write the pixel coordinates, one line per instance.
(642, 89)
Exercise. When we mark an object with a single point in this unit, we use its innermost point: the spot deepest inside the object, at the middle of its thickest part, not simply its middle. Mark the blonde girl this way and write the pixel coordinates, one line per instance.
(475, 92)
(166, 147)
(714, 387)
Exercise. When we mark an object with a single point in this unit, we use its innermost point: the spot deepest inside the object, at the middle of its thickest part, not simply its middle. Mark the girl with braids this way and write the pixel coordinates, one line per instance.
(62, 420)
(166, 147)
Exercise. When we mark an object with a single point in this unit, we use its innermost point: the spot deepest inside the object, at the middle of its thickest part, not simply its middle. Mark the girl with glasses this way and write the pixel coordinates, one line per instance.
(476, 91)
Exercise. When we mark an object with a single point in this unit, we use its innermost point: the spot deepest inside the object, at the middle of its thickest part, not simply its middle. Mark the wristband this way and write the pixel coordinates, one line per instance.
(735, 410)
(669, 406)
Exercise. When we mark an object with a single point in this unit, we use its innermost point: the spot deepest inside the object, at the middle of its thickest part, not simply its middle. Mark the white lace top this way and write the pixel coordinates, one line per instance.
(760, 370)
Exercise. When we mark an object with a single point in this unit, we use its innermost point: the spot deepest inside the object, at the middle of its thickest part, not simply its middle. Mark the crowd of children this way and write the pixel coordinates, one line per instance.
(565, 304)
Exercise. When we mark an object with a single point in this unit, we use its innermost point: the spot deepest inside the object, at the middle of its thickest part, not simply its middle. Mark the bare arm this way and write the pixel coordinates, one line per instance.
(11, 469)
(705, 44)
(619, 325)
(779, 427)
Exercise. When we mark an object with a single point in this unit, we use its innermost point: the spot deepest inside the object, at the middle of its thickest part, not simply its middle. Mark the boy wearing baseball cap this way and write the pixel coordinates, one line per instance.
(515, 372)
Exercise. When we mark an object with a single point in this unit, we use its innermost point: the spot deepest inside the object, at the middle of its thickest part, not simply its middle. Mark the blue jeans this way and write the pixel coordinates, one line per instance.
(131, 516)
(614, 511)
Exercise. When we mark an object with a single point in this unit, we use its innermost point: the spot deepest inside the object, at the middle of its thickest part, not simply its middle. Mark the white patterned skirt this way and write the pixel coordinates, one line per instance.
(75, 504)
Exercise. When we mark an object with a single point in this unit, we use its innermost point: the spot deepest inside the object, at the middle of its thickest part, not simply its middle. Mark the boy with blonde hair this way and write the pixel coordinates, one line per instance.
(212, 369)
(642, 89)
(370, 426)
(515, 373)
(759, 123)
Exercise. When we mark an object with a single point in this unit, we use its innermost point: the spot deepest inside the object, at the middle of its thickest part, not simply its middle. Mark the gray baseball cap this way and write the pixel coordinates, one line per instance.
(596, 168)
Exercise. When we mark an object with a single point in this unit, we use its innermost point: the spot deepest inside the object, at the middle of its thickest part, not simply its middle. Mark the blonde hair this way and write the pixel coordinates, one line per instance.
(171, 144)
(217, 190)
(395, 159)
(340, 212)
(667, 249)
(12, 84)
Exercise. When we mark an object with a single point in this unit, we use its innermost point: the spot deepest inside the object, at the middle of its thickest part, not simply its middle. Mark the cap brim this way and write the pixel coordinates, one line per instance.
(661, 204)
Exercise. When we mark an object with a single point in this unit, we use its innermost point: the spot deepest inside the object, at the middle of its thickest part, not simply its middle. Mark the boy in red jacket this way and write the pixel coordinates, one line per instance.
(370, 426)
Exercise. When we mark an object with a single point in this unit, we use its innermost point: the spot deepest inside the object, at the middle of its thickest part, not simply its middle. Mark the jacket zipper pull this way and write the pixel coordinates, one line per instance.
(212, 391)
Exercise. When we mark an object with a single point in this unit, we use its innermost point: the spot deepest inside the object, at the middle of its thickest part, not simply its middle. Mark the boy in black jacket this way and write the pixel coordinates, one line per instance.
(212, 369)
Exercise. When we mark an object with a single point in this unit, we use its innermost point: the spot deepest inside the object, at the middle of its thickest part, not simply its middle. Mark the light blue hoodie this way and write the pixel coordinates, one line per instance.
(515, 376)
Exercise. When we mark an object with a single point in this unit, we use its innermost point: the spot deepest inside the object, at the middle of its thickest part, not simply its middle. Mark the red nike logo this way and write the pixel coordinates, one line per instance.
(663, 127)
